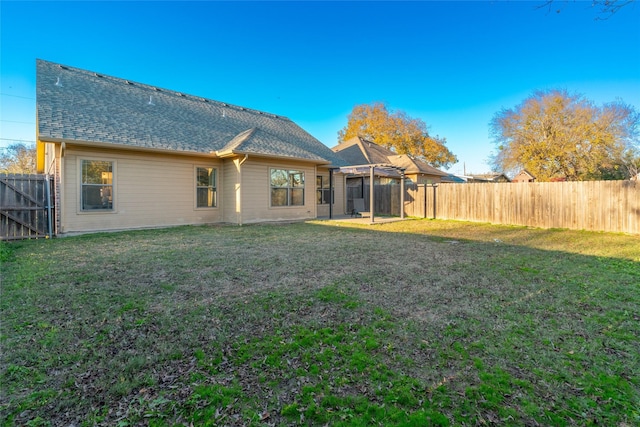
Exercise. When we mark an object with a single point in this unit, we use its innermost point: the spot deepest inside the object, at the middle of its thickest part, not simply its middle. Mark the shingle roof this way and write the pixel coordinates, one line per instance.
(80, 105)
(489, 177)
(412, 165)
(358, 151)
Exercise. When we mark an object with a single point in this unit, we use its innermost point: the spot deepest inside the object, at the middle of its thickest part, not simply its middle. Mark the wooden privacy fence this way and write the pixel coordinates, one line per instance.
(612, 206)
(26, 210)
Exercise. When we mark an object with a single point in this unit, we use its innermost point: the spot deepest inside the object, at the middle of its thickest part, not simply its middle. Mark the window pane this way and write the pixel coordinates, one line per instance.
(297, 178)
(206, 177)
(325, 195)
(279, 196)
(96, 197)
(96, 172)
(278, 178)
(322, 187)
(297, 197)
(283, 183)
(206, 197)
(97, 185)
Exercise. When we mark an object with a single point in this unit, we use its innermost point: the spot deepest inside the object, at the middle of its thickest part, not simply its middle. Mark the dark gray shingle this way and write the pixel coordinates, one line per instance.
(80, 105)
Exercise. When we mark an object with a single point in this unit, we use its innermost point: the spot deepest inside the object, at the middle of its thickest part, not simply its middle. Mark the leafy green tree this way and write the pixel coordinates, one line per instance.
(18, 158)
(554, 134)
(396, 131)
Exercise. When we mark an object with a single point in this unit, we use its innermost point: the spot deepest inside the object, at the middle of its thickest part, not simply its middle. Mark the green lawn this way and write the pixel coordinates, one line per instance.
(410, 323)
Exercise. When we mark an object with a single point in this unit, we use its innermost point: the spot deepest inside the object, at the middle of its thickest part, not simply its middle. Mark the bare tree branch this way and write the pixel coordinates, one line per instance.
(605, 8)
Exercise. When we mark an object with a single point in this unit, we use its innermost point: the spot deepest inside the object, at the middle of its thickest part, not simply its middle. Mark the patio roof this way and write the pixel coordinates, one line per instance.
(381, 169)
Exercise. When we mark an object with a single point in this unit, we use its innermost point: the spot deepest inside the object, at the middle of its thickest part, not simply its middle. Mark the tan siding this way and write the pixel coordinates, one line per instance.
(150, 190)
(49, 158)
(156, 190)
(256, 191)
(231, 191)
(424, 178)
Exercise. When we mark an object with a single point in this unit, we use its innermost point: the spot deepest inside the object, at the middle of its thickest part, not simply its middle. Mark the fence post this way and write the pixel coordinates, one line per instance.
(434, 199)
(372, 192)
(424, 197)
(402, 196)
(47, 184)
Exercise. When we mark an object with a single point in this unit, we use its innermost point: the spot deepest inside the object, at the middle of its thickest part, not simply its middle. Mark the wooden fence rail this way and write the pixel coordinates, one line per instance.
(612, 206)
(26, 210)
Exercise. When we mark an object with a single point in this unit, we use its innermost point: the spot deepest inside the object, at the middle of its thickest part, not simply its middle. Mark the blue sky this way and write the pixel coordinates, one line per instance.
(453, 64)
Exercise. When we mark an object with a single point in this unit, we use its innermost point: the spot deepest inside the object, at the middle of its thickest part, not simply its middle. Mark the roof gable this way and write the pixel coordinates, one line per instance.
(256, 140)
(524, 174)
(79, 105)
(358, 151)
(489, 177)
(412, 165)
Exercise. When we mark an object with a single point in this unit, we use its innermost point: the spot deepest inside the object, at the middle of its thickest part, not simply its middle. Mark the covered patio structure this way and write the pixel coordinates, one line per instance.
(372, 170)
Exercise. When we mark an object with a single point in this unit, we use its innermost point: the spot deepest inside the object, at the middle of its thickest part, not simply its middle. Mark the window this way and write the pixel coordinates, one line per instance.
(287, 187)
(323, 192)
(97, 185)
(206, 188)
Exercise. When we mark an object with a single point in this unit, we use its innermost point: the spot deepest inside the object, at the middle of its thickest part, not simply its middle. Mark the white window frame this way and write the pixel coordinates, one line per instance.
(289, 187)
(215, 186)
(112, 197)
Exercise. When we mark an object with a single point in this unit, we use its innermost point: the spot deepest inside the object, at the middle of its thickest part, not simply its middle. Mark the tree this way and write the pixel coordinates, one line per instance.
(398, 132)
(18, 158)
(554, 134)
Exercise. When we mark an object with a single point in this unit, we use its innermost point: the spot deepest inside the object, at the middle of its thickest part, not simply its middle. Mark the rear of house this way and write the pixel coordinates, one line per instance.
(129, 155)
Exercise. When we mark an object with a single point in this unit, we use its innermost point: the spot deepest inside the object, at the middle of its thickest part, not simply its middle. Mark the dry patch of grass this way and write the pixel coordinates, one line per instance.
(409, 323)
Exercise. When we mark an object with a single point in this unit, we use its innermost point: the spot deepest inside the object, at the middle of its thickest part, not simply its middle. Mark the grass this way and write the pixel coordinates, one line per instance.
(410, 323)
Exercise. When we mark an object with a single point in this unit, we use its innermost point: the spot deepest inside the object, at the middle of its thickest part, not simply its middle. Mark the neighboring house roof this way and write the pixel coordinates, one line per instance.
(488, 177)
(524, 175)
(358, 151)
(453, 179)
(83, 106)
(412, 165)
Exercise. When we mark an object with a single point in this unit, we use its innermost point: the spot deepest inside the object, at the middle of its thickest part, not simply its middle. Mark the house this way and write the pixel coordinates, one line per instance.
(129, 155)
(454, 179)
(358, 151)
(488, 177)
(524, 176)
(369, 161)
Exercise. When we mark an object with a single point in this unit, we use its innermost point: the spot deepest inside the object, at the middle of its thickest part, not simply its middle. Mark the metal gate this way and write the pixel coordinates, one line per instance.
(26, 208)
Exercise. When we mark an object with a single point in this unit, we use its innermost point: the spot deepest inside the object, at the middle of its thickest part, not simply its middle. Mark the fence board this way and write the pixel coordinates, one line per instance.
(24, 206)
(612, 206)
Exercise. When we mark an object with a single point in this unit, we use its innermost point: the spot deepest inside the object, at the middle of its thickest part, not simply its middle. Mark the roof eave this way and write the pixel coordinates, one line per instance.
(111, 145)
(234, 153)
(423, 172)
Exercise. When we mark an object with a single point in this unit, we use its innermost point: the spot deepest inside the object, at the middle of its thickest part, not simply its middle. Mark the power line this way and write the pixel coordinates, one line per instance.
(17, 96)
(16, 121)
(16, 140)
